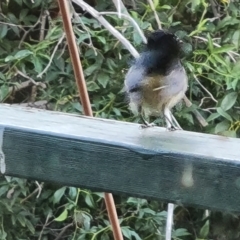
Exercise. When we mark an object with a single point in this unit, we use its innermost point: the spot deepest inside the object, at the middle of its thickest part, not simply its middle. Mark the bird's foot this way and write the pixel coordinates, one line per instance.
(147, 125)
(173, 128)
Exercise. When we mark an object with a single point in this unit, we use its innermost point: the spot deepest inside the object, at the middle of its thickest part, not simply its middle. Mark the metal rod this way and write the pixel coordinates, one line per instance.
(84, 98)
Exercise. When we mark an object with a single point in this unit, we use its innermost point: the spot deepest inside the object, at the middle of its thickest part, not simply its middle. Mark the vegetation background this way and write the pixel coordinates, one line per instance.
(35, 70)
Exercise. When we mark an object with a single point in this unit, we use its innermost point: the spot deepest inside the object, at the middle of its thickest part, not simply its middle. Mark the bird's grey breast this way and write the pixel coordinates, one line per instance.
(175, 82)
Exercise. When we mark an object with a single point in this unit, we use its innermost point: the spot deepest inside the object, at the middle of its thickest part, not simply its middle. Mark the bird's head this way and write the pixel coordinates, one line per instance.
(165, 42)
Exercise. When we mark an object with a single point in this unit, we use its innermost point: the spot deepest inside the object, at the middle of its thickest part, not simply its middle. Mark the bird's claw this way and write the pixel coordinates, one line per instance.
(173, 128)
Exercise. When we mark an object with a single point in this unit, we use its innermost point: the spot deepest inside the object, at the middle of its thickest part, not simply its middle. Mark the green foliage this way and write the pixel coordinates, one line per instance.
(33, 50)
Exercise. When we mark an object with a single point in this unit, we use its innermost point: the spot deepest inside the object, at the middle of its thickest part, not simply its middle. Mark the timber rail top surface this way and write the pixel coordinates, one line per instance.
(183, 167)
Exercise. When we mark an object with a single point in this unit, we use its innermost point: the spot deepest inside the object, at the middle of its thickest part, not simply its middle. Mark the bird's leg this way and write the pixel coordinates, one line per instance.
(145, 124)
(169, 120)
(176, 122)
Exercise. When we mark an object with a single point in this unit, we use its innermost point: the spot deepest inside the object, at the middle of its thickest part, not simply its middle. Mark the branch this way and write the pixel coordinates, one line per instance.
(197, 114)
(230, 53)
(119, 8)
(29, 79)
(43, 24)
(129, 18)
(108, 26)
(29, 30)
(205, 89)
(155, 14)
(51, 58)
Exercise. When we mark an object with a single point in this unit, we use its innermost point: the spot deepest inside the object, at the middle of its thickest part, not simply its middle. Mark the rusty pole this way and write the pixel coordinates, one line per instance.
(84, 98)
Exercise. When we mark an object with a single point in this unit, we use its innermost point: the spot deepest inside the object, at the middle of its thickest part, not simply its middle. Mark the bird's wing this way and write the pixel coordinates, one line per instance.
(134, 78)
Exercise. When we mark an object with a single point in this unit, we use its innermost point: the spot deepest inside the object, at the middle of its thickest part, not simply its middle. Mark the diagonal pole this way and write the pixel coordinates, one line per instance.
(84, 98)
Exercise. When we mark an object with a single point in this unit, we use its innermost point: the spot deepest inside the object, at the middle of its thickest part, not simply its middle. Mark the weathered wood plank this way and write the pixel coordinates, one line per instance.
(183, 167)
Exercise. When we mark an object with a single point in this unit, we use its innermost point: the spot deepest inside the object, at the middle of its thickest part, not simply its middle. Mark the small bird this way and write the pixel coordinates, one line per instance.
(157, 81)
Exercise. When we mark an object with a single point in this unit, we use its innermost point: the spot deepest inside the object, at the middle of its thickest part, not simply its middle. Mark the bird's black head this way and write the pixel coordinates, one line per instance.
(165, 42)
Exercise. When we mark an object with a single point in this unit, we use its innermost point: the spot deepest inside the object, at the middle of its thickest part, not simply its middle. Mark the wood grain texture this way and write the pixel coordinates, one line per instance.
(182, 167)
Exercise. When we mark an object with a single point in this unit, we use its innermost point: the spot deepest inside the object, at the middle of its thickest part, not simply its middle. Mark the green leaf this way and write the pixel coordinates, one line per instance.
(92, 86)
(82, 37)
(229, 100)
(9, 58)
(205, 230)
(224, 114)
(228, 20)
(166, 7)
(236, 69)
(15, 30)
(155, 3)
(72, 192)
(37, 64)
(4, 91)
(91, 69)
(222, 126)
(21, 219)
(89, 201)
(30, 226)
(103, 79)
(2, 76)
(19, 2)
(23, 14)
(213, 116)
(22, 54)
(218, 58)
(3, 30)
(126, 232)
(3, 190)
(180, 232)
(58, 195)
(229, 133)
(102, 39)
(195, 4)
(62, 216)
(224, 49)
(236, 38)
(137, 38)
(210, 43)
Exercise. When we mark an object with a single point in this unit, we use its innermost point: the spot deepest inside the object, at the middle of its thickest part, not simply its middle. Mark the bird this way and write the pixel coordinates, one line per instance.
(157, 80)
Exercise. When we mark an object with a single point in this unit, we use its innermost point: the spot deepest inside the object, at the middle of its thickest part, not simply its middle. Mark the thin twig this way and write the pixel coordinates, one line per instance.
(31, 194)
(202, 101)
(108, 26)
(28, 31)
(124, 11)
(39, 188)
(43, 24)
(199, 117)
(20, 86)
(63, 231)
(214, 8)
(76, 16)
(155, 14)
(16, 25)
(45, 224)
(129, 18)
(214, 99)
(119, 8)
(29, 78)
(51, 58)
(217, 45)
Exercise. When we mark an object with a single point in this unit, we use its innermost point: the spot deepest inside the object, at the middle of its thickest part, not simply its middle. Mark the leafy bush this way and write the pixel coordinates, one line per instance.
(35, 67)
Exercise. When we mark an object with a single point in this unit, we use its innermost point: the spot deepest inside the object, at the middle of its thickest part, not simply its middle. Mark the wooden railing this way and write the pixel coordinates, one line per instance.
(181, 167)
